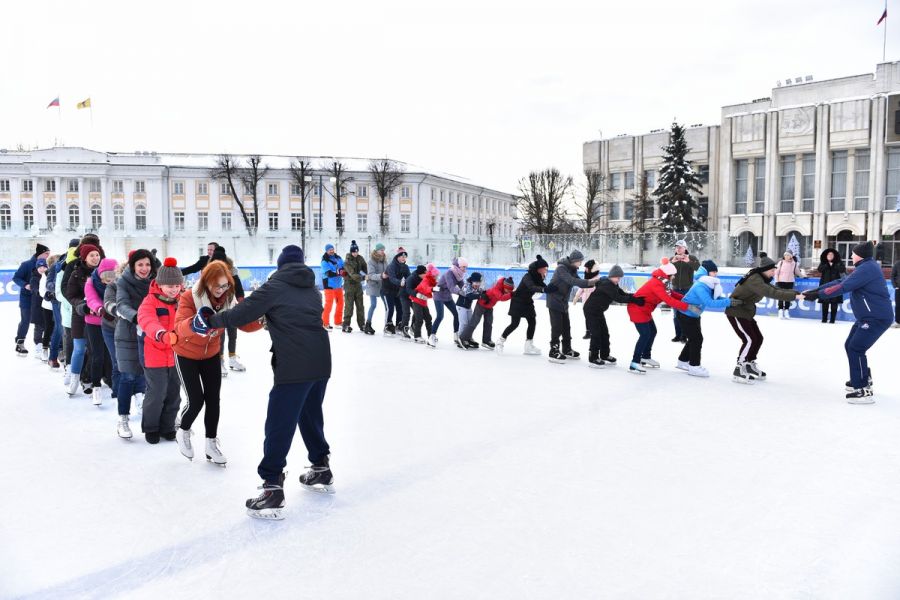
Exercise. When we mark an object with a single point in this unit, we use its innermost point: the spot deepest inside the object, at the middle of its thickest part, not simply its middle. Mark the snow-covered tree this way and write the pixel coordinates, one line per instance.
(749, 258)
(677, 188)
(794, 246)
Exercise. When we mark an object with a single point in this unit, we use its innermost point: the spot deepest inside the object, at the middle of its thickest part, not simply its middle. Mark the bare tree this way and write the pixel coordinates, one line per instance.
(229, 169)
(251, 176)
(388, 176)
(590, 209)
(302, 172)
(541, 200)
(337, 173)
(642, 215)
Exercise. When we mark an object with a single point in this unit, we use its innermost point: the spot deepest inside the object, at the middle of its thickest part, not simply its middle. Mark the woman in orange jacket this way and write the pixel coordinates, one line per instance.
(197, 356)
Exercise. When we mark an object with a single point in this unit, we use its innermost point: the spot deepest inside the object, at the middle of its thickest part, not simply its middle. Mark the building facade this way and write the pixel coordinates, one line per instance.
(815, 165)
(171, 202)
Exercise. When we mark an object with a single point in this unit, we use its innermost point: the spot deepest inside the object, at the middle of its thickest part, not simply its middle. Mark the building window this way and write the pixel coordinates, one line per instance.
(202, 221)
(405, 191)
(139, 187)
(74, 217)
(72, 185)
(119, 187)
(5, 217)
(442, 224)
(808, 182)
(118, 217)
(224, 190)
(251, 219)
(788, 171)
(295, 189)
(615, 181)
(95, 186)
(317, 222)
(629, 209)
(703, 174)
(892, 188)
(404, 223)
(273, 221)
(51, 216)
(140, 217)
(248, 189)
(296, 221)
(226, 221)
(362, 222)
(759, 190)
(450, 230)
(178, 188)
(27, 185)
(362, 191)
(650, 176)
(629, 180)
(50, 185)
(317, 190)
(96, 216)
(838, 180)
(740, 186)
(272, 189)
(28, 216)
(861, 180)
(433, 222)
(179, 220)
(202, 188)
(614, 211)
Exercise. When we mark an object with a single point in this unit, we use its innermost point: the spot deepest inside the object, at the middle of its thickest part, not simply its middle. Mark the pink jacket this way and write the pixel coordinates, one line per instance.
(787, 272)
(94, 302)
(585, 293)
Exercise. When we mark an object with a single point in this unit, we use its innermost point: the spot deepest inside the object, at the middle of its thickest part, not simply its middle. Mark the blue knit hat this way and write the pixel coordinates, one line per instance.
(329, 247)
(710, 266)
(290, 254)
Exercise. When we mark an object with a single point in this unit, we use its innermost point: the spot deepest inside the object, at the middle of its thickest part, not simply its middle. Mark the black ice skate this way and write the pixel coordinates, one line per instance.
(318, 478)
(611, 360)
(346, 329)
(270, 503)
(596, 362)
(861, 396)
(367, 329)
(20, 349)
(389, 330)
(849, 385)
(470, 345)
(555, 355)
(754, 371)
(404, 334)
(740, 374)
(488, 345)
(572, 354)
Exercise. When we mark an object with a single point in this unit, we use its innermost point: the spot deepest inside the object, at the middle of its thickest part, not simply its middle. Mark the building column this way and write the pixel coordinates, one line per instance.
(84, 216)
(773, 166)
(823, 174)
(726, 171)
(878, 170)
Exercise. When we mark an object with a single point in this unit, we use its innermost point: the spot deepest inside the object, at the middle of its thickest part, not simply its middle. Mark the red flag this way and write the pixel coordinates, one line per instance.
(883, 17)
(55, 102)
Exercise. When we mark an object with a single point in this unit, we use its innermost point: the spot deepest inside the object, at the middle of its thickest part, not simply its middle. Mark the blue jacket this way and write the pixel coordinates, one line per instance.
(867, 287)
(331, 268)
(701, 294)
(23, 278)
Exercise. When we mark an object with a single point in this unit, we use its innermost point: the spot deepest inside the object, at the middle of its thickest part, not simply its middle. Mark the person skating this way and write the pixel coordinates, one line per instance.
(355, 266)
(301, 361)
(895, 281)
(521, 305)
(686, 265)
(471, 292)
(786, 273)
(156, 318)
(484, 308)
(409, 291)
(423, 293)
(102, 336)
(332, 286)
(197, 357)
(393, 287)
(831, 268)
(37, 309)
(22, 278)
(750, 289)
(871, 306)
(202, 261)
(705, 293)
(606, 291)
(654, 292)
(52, 319)
(583, 294)
(565, 277)
(89, 258)
(451, 282)
(234, 362)
(375, 275)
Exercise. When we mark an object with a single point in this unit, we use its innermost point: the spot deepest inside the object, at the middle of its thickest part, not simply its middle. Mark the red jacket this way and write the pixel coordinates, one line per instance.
(654, 292)
(501, 292)
(154, 315)
(425, 289)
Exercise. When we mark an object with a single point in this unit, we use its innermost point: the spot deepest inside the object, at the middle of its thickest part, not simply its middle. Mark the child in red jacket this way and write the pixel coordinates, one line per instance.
(156, 318)
(420, 306)
(501, 292)
(654, 292)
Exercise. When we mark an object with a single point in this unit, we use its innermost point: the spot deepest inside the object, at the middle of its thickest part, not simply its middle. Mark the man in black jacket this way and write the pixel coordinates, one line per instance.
(202, 261)
(301, 361)
(605, 293)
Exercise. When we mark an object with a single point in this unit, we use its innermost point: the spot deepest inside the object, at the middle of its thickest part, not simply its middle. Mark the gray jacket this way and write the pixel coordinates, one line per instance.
(376, 267)
(130, 292)
(565, 277)
(109, 305)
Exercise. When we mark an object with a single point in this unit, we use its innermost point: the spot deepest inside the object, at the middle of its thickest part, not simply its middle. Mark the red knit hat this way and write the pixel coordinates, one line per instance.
(87, 249)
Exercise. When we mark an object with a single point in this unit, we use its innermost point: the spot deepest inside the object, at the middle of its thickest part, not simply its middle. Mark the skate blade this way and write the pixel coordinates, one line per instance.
(593, 366)
(866, 400)
(266, 514)
(649, 366)
(636, 372)
(319, 488)
(218, 464)
(744, 381)
(557, 361)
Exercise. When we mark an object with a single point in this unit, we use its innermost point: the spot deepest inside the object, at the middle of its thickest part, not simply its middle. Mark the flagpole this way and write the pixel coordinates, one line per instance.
(884, 43)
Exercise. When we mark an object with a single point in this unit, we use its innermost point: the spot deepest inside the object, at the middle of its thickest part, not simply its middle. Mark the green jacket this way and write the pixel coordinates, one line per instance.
(754, 289)
(684, 278)
(356, 272)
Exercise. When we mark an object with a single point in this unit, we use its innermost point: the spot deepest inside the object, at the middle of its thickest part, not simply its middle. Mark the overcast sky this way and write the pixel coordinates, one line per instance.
(485, 90)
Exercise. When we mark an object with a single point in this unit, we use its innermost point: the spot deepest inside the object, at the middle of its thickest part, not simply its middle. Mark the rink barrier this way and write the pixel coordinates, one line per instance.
(253, 277)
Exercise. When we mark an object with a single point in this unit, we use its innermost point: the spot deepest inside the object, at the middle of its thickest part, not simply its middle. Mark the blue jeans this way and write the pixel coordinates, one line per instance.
(644, 346)
(292, 405)
(862, 336)
(439, 311)
(24, 323)
(56, 338)
(373, 304)
(79, 345)
(109, 338)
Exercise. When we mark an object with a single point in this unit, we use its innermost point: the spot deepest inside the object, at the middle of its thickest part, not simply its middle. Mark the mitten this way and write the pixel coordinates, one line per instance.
(639, 300)
(81, 308)
(436, 288)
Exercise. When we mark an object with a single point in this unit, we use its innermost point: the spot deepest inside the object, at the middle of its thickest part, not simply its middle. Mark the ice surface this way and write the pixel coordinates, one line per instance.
(474, 475)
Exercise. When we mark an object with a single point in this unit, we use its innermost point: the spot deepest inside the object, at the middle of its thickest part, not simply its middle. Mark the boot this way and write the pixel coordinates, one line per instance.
(698, 371)
(224, 368)
(404, 334)
(214, 453)
(861, 396)
(457, 341)
(38, 351)
(345, 328)
(270, 503)
(45, 354)
(595, 362)
(319, 478)
(73, 385)
(432, 341)
(470, 345)
(572, 354)
(367, 329)
(682, 365)
(389, 330)
(637, 369)
(235, 364)
(555, 355)
(610, 360)
(123, 428)
(54, 364)
(20, 349)
(97, 396)
(498, 345)
(754, 371)
(649, 362)
(183, 438)
(740, 374)
(488, 345)
(531, 349)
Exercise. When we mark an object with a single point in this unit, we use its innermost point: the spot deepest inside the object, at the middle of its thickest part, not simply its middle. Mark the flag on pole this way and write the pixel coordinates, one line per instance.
(55, 103)
(883, 17)
(86, 103)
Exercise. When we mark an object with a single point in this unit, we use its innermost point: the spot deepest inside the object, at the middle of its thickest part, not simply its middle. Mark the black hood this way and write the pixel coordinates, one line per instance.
(837, 255)
(296, 274)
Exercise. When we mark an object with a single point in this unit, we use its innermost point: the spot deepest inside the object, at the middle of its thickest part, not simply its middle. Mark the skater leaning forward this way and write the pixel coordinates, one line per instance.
(521, 306)
(605, 293)
(565, 277)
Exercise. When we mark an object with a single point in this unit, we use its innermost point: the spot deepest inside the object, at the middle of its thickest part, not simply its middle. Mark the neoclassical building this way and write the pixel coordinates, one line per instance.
(170, 202)
(818, 161)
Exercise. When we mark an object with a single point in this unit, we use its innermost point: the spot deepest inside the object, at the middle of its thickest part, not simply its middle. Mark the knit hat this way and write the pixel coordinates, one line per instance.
(789, 252)
(290, 254)
(329, 247)
(73, 243)
(864, 250)
(420, 270)
(710, 266)
(669, 269)
(766, 263)
(87, 249)
(135, 255)
(107, 264)
(41, 249)
(474, 277)
(460, 262)
(681, 243)
(41, 262)
(379, 247)
(432, 270)
(589, 265)
(575, 256)
(90, 238)
(508, 283)
(616, 271)
(169, 273)
(400, 252)
(219, 254)
(353, 246)
(539, 263)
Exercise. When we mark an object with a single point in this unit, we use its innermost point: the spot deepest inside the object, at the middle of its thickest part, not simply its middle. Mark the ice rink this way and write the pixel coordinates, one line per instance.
(477, 475)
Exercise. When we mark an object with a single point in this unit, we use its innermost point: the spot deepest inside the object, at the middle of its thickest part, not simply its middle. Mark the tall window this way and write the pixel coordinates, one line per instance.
(703, 174)
(861, 180)
(96, 216)
(404, 224)
(251, 218)
(51, 216)
(202, 221)
(27, 185)
(5, 217)
(224, 190)
(741, 171)
(296, 221)
(405, 191)
(892, 190)
(118, 217)
(272, 189)
(317, 221)
(295, 189)
(139, 187)
(72, 185)
(362, 222)
(362, 191)
(28, 215)
(226, 221)
(119, 187)
(178, 188)
(74, 217)
(759, 190)
(95, 186)
(140, 217)
(4, 185)
(629, 180)
(839, 180)
(179, 220)
(248, 189)
(650, 176)
(442, 224)
(50, 185)
(629, 209)
(615, 181)
(273, 221)
(788, 171)
(614, 211)
(202, 188)
(808, 187)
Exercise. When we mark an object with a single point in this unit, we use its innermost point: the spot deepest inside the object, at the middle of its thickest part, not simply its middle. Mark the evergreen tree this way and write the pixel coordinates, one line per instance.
(677, 188)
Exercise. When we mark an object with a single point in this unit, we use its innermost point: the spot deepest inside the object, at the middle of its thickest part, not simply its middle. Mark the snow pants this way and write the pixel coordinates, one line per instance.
(333, 298)
(353, 298)
(161, 400)
(751, 337)
(862, 336)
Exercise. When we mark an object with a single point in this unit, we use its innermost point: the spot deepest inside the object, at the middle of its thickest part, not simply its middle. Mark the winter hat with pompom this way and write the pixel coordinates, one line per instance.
(474, 277)
(508, 283)
(668, 268)
(432, 270)
(169, 273)
(353, 246)
(539, 263)
(107, 264)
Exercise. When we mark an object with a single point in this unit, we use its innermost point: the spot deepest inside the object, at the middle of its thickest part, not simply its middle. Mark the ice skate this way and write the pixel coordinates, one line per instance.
(235, 364)
(849, 384)
(572, 354)
(96, 396)
(45, 354)
(346, 329)
(38, 351)
(328, 327)
(531, 349)
(183, 437)
(470, 345)
(432, 341)
(596, 362)
(698, 371)
(20, 349)
(270, 503)
(123, 428)
(754, 371)
(318, 478)
(67, 378)
(389, 330)
(214, 453)
(137, 402)
(488, 345)
(72, 387)
(682, 365)
(740, 374)
(649, 363)
(456, 340)
(861, 396)
(404, 334)
(498, 345)
(54, 364)
(367, 329)
(636, 369)
(610, 360)
(419, 340)
(224, 368)
(555, 356)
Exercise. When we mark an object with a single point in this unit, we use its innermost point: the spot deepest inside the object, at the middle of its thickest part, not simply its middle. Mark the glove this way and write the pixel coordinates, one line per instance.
(436, 288)
(106, 315)
(810, 294)
(342, 272)
(639, 300)
(736, 302)
(421, 296)
(550, 288)
(159, 335)
(694, 309)
(200, 322)
(82, 309)
(134, 319)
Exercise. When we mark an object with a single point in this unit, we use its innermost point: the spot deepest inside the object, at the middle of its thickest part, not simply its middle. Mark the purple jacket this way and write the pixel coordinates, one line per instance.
(451, 282)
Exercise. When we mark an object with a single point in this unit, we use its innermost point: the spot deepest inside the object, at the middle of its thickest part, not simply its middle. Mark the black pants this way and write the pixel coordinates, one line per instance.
(202, 381)
(478, 313)
(514, 323)
(393, 302)
(560, 328)
(831, 307)
(691, 329)
(49, 325)
(97, 353)
(785, 304)
(406, 304)
(421, 314)
(596, 326)
(751, 337)
(897, 305)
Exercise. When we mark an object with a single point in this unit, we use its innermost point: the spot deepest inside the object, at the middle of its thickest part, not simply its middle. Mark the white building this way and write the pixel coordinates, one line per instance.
(817, 160)
(170, 202)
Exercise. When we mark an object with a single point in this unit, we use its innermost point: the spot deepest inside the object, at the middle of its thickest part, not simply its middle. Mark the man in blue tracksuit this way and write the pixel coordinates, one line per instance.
(872, 308)
(22, 278)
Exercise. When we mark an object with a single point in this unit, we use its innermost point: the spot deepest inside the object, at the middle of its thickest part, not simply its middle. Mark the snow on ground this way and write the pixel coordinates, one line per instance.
(478, 476)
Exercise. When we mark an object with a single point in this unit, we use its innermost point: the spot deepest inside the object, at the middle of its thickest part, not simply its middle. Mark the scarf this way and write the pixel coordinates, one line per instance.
(99, 286)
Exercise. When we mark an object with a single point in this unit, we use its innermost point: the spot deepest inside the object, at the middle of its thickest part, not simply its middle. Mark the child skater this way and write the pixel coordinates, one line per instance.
(424, 293)
(583, 294)
(521, 306)
(605, 293)
(501, 292)
(470, 293)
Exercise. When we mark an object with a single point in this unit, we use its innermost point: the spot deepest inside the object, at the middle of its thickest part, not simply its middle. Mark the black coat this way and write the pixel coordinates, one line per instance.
(292, 307)
(522, 302)
(412, 282)
(829, 272)
(396, 273)
(606, 293)
(74, 293)
(37, 311)
(196, 267)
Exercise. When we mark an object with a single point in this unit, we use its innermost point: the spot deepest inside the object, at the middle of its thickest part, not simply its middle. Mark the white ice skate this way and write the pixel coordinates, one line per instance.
(123, 428)
(183, 437)
(67, 378)
(698, 371)
(73, 385)
(224, 368)
(531, 349)
(45, 354)
(137, 400)
(235, 364)
(498, 345)
(683, 365)
(38, 351)
(649, 363)
(97, 396)
(432, 341)
(214, 453)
